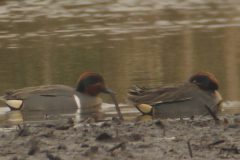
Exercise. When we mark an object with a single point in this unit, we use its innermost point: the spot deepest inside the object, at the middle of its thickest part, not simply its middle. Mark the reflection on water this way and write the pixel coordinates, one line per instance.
(108, 111)
(128, 42)
(231, 107)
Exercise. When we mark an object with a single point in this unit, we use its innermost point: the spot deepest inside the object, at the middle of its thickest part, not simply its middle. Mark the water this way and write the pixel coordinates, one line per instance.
(128, 42)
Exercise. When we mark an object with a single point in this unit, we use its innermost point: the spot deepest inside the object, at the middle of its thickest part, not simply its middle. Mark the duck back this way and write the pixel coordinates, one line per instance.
(175, 100)
(50, 97)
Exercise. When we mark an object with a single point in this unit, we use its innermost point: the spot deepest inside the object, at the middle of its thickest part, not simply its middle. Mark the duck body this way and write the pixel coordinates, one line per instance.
(55, 97)
(177, 100)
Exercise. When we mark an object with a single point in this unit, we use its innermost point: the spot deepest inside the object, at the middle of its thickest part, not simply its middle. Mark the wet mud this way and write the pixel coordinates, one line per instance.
(195, 138)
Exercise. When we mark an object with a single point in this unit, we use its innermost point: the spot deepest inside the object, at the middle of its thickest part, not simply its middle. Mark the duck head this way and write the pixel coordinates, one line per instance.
(204, 80)
(92, 84)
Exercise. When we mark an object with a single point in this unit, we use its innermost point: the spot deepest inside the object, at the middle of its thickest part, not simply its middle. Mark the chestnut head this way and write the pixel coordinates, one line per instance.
(92, 84)
(204, 80)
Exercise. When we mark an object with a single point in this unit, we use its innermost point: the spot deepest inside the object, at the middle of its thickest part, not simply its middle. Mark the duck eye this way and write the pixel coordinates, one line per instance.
(98, 81)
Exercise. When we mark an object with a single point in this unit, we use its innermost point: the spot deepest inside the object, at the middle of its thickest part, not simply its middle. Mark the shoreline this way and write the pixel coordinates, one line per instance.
(158, 139)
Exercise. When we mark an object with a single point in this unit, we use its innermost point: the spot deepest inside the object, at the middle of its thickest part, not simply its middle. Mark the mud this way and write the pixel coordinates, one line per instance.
(195, 138)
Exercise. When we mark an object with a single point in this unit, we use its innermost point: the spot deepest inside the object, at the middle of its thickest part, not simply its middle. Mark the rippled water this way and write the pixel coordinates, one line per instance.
(128, 42)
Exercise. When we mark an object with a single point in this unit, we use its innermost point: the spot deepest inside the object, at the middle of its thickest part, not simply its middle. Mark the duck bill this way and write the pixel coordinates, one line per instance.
(105, 90)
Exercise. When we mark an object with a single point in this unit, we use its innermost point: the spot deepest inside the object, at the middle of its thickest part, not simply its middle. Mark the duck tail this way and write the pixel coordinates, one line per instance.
(137, 90)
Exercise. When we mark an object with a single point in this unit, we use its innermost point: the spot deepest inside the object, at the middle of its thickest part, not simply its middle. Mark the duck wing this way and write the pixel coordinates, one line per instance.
(46, 90)
(163, 94)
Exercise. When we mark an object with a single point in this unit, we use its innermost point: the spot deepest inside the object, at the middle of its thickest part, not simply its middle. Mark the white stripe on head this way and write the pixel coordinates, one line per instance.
(77, 100)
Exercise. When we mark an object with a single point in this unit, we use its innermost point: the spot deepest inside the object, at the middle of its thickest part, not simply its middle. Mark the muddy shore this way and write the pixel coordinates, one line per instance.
(198, 138)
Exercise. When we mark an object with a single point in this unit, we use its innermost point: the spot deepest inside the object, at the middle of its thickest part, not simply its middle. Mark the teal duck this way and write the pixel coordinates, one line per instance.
(59, 97)
(178, 100)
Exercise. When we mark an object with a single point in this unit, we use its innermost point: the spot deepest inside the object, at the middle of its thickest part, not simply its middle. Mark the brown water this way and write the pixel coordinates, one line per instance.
(128, 42)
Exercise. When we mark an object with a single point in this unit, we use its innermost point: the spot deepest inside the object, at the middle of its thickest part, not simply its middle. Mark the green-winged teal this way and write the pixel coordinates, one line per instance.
(178, 100)
(58, 97)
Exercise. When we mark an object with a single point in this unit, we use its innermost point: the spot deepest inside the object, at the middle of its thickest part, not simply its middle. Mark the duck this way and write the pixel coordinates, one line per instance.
(180, 100)
(59, 97)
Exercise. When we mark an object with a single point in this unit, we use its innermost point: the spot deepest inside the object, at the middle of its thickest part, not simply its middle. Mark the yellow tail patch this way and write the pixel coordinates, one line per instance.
(16, 104)
(145, 108)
